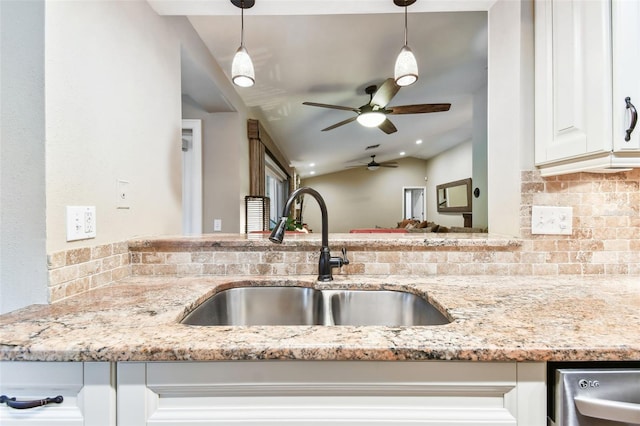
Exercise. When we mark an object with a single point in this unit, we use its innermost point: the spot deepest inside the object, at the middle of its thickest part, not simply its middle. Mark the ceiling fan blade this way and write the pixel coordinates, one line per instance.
(342, 123)
(385, 93)
(418, 108)
(387, 127)
(387, 165)
(344, 108)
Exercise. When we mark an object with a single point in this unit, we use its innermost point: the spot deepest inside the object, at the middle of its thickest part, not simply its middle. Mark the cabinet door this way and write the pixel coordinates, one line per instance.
(86, 388)
(626, 71)
(572, 79)
(315, 393)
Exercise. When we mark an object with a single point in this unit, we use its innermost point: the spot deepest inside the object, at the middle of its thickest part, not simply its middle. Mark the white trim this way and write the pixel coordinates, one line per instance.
(192, 180)
(424, 200)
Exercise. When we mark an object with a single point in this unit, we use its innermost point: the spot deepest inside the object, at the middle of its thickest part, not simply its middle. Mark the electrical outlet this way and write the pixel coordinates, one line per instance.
(217, 224)
(551, 220)
(81, 222)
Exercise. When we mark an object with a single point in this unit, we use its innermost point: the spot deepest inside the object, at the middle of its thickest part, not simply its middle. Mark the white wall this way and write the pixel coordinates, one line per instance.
(451, 165)
(22, 155)
(224, 145)
(225, 140)
(479, 161)
(91, 94)
(359, 198)
(510, 119)
(112, 112)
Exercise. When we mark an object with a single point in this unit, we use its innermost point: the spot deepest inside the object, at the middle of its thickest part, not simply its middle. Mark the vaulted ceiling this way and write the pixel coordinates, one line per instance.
(329, 52)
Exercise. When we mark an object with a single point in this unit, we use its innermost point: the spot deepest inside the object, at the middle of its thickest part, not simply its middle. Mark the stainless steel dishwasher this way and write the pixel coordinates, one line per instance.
(594, 394)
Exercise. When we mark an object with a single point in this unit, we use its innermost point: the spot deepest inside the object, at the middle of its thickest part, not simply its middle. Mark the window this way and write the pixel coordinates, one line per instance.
(276, 188)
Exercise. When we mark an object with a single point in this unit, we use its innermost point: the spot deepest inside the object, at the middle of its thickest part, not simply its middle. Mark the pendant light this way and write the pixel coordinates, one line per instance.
(242, 73)
(406, 71)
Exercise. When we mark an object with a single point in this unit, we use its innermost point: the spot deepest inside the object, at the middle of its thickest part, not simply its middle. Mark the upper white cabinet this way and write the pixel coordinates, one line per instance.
(587, 62)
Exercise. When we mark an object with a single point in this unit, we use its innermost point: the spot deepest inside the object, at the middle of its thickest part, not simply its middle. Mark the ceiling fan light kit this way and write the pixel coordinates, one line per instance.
(242, 72)
(371, 119)
(406, 69)
(373, 113)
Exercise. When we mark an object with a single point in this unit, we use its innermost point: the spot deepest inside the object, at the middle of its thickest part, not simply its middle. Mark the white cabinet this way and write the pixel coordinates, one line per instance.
(351, 393)
(88, 391)
(587, 62)
(626, 68)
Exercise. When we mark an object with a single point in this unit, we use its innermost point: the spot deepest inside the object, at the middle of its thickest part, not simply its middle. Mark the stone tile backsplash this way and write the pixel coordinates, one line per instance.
(605, 240)
(77, 270)
(606, 223)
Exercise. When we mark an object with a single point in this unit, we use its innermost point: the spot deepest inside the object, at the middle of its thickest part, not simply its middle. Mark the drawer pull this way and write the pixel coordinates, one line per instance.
(634, 118)
(21, 405)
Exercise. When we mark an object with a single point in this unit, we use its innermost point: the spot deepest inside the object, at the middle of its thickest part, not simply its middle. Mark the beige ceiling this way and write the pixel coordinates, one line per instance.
(327, 52)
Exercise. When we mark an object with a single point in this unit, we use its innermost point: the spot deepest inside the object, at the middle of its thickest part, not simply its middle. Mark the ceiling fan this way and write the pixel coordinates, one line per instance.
(374, 165)
(373, 114)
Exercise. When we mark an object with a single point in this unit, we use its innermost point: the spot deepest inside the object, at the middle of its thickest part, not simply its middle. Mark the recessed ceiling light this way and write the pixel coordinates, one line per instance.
(312, 172)
(419, 141)
(402, 153)
(312, 164)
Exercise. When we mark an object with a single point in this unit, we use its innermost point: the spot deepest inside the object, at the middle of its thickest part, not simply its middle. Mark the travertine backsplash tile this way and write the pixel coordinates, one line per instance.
(606, 221)
(605, 240)
(80, 269)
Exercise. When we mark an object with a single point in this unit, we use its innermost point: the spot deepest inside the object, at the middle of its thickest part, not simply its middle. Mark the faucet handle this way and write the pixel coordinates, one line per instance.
(337, 261)
(345, 261)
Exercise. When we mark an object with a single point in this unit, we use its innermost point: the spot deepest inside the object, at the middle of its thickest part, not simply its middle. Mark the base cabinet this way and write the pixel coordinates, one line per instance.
(88, 391)
(322, 392)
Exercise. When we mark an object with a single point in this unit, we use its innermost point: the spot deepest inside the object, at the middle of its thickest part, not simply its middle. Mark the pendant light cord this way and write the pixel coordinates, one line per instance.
(405, 24)
(242, 23)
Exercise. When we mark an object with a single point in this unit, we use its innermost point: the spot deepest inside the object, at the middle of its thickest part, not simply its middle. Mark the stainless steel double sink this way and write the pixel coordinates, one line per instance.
(284, 305)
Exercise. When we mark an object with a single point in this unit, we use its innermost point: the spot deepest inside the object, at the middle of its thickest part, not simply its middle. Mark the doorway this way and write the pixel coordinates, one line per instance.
(191, 177)
(414, 203)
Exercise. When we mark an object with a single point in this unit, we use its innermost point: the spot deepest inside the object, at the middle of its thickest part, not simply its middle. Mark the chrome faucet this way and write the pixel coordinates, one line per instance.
(326, 262)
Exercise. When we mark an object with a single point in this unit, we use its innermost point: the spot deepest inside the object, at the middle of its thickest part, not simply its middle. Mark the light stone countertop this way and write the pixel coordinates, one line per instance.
(495, 318)
(303, 241)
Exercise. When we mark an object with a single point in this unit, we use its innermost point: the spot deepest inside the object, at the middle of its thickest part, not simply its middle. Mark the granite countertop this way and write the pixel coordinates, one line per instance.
(301, 241)
(544, 318)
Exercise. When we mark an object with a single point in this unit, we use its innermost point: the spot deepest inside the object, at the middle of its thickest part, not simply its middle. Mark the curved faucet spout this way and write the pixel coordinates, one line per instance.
(326, 262)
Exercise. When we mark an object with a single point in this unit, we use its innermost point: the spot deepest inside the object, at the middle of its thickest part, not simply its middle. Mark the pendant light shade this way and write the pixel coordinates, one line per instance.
(242, 73)
(406, 70)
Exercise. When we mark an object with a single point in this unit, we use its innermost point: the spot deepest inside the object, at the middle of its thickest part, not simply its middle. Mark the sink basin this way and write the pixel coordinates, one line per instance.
(281, 305)
(260, 306)
(382, 307)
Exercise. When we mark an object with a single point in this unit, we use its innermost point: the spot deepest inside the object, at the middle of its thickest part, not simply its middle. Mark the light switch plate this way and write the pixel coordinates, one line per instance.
(81, 222)
(551, 220)
(122, 194)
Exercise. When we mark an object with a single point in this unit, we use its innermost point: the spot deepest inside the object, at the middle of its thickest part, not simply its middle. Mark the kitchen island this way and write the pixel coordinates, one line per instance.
(133, 363)
(494, 318)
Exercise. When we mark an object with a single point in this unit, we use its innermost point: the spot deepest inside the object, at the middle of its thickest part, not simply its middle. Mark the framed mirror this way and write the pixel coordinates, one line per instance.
(454, 197)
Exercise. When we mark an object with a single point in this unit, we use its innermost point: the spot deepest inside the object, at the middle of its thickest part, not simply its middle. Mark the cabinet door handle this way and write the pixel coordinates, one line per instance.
(634, 118)
(21, 405)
